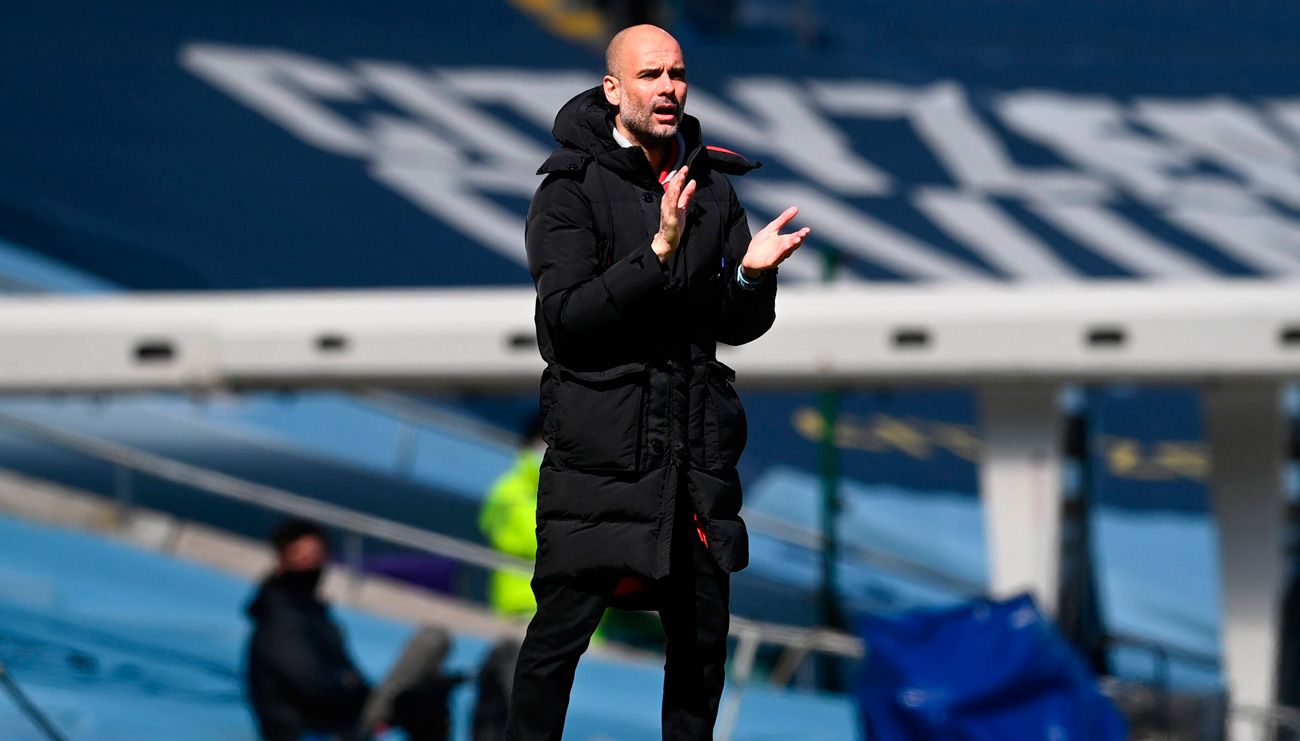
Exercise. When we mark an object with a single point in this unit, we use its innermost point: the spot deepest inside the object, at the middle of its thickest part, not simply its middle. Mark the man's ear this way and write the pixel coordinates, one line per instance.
(613, 90)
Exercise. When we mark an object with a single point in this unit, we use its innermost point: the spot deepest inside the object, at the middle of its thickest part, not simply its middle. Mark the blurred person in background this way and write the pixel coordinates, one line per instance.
(643, 262)
(302, 681)
(509, 521)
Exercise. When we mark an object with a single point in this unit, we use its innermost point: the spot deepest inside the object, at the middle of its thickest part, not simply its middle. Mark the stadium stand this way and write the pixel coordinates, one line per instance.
(112, 639)
(199, 146)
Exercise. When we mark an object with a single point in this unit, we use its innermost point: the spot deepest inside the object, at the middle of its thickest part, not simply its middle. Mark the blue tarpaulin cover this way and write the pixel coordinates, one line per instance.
(981, 671)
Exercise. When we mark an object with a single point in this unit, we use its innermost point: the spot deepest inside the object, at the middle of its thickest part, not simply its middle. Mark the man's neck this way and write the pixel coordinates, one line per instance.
(656, 152)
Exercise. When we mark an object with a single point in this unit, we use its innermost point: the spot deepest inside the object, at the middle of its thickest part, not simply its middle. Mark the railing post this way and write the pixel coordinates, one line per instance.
(1246, 427)
(123, 493)
(747, 640)
(828, 469)
(1020, 488)
(354, 556)
(1078, 599)
(406, 449)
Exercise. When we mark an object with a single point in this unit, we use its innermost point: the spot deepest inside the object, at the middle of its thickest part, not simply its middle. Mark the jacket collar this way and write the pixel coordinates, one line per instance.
(678, 156)
(584, 128)
(586, 124)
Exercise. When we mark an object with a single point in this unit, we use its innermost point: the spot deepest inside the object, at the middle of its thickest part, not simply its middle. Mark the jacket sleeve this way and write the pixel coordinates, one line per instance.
(578, 294)
(303, 671)
(747, 313)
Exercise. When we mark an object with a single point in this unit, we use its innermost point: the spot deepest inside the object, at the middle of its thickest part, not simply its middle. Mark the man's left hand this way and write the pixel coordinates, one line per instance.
(769, 247)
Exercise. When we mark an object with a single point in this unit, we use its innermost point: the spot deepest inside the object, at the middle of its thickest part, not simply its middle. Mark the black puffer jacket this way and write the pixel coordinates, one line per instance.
(633, 396)
(300, 676)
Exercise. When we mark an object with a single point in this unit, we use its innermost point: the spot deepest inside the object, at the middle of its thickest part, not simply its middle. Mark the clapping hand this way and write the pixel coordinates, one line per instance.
(672, 214)
(769, 247)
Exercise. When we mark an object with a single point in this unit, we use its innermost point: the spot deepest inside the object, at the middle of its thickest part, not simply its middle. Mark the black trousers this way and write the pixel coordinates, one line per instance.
(693, 604)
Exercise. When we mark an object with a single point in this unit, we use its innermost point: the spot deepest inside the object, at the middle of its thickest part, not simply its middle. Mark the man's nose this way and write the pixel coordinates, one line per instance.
(666, 86)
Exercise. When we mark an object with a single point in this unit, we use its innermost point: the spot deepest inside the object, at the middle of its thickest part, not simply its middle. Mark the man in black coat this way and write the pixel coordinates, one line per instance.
(643, 263)
(301, 678)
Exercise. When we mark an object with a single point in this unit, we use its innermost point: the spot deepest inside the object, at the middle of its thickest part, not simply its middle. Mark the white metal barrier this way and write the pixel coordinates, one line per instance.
(1018, 345)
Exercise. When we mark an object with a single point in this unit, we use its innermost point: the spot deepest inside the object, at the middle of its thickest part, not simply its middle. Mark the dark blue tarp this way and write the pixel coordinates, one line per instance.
(984, 671)
(185, 145)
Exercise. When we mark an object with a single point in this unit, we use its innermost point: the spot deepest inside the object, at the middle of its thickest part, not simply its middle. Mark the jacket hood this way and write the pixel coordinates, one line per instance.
(586, 123)
(584, 127)
(274, 595)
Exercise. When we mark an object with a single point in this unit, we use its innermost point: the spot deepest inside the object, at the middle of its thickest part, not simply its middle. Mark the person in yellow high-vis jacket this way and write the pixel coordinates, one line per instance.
(509, 520)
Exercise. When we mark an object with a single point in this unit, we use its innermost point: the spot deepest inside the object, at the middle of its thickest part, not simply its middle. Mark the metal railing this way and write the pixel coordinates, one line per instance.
(415, 412)
(132, 460)
(414, 417)
(794, 534)
(27, 707)
(1274, 723)
(1163, 654)
(796, 642)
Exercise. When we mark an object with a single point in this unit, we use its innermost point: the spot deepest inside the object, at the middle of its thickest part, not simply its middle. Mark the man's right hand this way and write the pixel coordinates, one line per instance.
(672, 215)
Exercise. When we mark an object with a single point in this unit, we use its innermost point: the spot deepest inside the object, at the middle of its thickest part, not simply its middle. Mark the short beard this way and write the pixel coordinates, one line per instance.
(644, 128)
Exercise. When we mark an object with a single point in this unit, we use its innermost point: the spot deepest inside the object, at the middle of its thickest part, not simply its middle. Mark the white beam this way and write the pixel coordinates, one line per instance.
(1183, 332)
(1020, 485)
(140, 341)
(850, 335)
(1247, 432)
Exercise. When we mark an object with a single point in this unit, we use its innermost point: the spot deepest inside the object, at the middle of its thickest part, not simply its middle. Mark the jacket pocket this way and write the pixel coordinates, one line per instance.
(725, 426)
(599, 417)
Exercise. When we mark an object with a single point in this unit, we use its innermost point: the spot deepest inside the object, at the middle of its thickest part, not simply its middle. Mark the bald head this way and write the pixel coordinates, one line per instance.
(632, 41)
(645, 83)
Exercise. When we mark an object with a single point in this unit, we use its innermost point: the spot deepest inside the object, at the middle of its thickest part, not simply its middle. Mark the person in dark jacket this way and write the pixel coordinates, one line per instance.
(302, 681)
(643, 262)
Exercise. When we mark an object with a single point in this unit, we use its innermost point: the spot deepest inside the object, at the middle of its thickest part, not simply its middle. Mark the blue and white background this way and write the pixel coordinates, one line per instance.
(240, 145)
